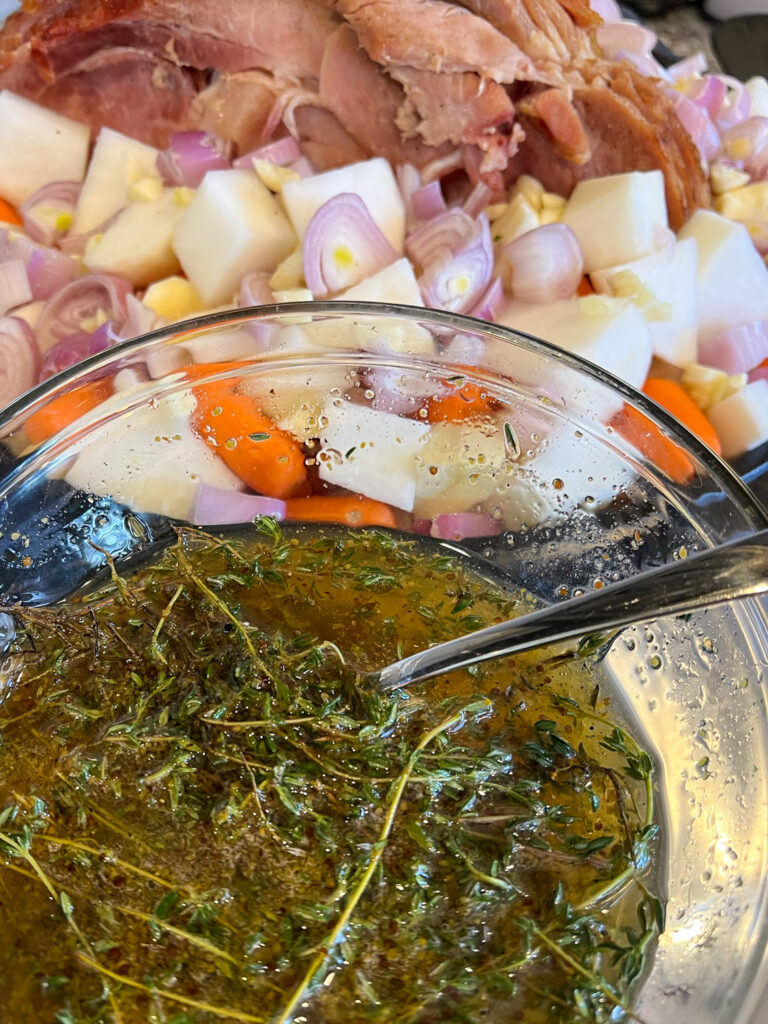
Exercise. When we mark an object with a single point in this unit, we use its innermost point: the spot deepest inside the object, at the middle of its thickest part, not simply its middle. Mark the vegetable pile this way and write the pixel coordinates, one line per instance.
(103, 245)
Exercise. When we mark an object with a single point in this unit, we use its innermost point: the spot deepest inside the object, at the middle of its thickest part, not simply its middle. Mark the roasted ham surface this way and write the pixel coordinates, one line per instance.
(495, 86)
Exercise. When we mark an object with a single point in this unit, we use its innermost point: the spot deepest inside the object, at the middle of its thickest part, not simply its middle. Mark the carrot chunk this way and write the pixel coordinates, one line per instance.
(635, 427)
(350, 510)
(64, 410)
(9, 214)
(676, 400)
(463, 400)
(268, 459)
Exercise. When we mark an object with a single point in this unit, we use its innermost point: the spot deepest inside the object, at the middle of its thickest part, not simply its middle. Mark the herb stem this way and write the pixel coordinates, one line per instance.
(225, 1012)
(398, 789)
(195, 940)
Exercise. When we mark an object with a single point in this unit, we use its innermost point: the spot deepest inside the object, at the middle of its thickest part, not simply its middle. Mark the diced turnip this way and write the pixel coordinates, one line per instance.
(221, 346)
(757, 88)
(609, 332)
(372, 180)
(37, 146)
(667, 281)
(732, 280)
(617, 219)
(233, 225)
(741, 421)
(152, 461)
(371, 452)
(117, 162)
(138, 244)
(395, 283)
(567, 470)
(460, 465)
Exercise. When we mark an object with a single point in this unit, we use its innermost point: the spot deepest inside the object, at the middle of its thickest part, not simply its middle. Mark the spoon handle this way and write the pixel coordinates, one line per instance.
(734, 570)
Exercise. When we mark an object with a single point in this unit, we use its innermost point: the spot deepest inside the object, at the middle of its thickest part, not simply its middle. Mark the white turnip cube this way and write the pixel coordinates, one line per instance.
(668, 278)
(372, 180)
(138, 244)
(612, 333)
(37, 146)
(117, 162)
(741, 421)
(233, 225)
(618, 218)
(152, 461)
(371, 452)
(732, 280)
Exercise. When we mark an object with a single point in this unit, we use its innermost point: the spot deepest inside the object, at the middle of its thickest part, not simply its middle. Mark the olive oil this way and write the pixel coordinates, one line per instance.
(205, 815)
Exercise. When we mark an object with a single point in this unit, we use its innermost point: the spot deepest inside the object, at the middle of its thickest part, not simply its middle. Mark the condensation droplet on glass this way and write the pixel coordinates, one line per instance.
(423, 413)
(433, 470)
(370, 394)
(230, 443)
(534, 437)
(598, 584)
(323, 421)
(629, 643)
(558, 484)
(708, 645)
(655, 661)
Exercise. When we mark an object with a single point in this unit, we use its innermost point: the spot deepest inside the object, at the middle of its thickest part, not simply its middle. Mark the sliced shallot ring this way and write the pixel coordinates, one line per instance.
(343, 245)
(215, 506)
(80, 300)
(56, 197)
(189, 157)
(20, 358)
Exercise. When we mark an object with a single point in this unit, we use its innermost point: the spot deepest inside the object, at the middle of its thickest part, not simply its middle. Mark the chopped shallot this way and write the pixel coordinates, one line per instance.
(457, 280)
(14, 285)
(190, 155)
(546, 264)
(343, 245)
(217, 507)
(737, 350)
(66, 313)
(458, 525)
(76, 347)
(49, 211)
(282, 152)
(19, 358)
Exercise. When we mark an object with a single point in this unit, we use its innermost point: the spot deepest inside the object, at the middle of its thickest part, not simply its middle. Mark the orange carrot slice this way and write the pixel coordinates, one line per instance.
(64, 410)
(464, 400)
(350, 510)
(268, 459)
(643, 434)
(676, 400)
(9, 214)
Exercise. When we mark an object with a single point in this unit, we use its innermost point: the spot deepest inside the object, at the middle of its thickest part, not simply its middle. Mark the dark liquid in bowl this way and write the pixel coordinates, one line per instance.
(205, 815)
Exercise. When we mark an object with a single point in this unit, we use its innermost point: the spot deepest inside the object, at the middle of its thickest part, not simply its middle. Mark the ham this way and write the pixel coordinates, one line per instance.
(493, 86)
(631, 125)
(433, 35)
(346, 74)
(463, 109)
(67, 54)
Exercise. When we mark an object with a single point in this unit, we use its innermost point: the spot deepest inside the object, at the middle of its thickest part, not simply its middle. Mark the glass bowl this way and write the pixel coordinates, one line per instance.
(507, 450)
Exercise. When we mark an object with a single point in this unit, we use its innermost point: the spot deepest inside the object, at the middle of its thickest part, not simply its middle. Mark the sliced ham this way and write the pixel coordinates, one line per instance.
(433, 35)
(433, 83)
(239, 106)
(631, 125)
(463, 109)
(346, 74)
(133, 64)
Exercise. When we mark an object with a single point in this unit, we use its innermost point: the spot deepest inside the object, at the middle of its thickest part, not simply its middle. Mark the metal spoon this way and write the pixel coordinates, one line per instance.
(735, 570)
